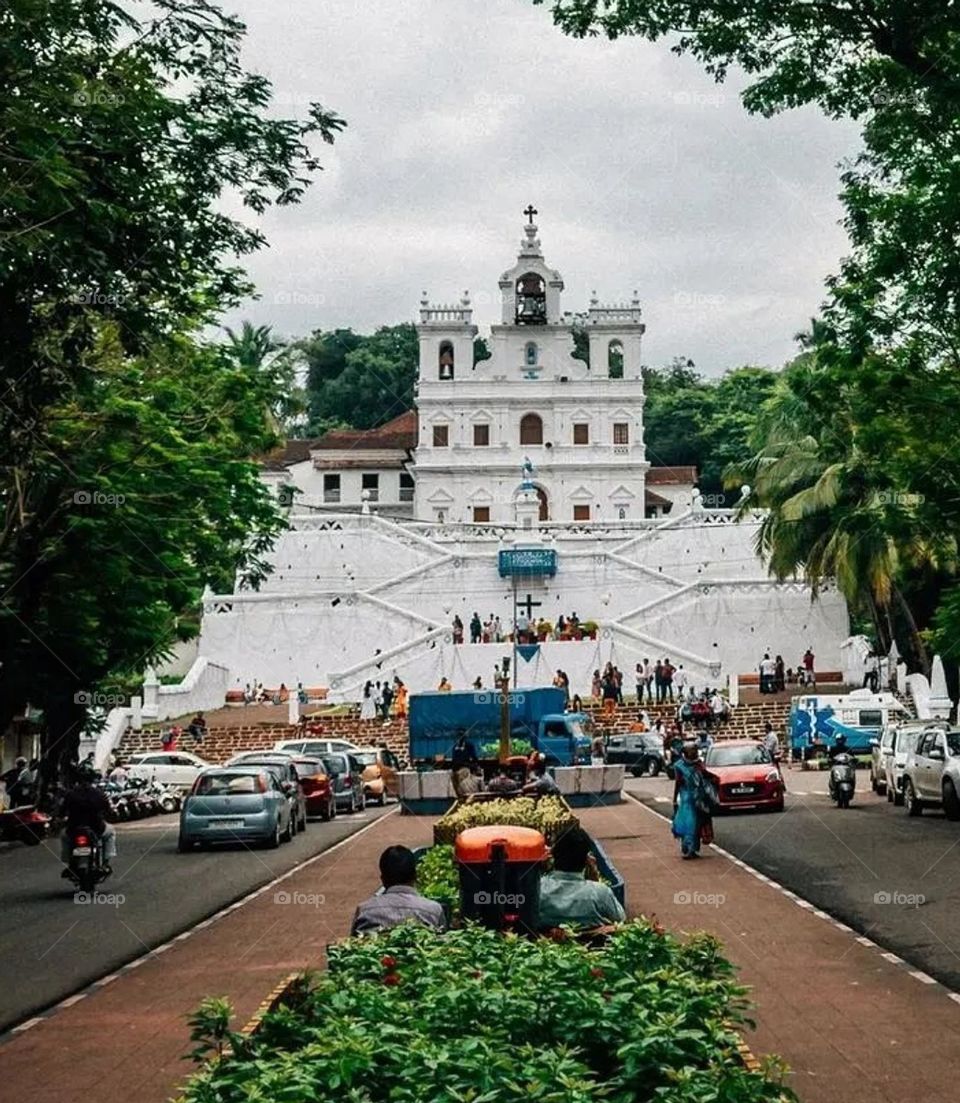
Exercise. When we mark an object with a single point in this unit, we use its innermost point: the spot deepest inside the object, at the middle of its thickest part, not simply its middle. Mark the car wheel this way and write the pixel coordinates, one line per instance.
(382, 799)
(889, 795)
(333, 808)
(911, 800)
(778, 807)
(898, 798)
(951, 805)
(363, 802)
(873, 783)
(654, 767)
(274, 840)
(184, 845)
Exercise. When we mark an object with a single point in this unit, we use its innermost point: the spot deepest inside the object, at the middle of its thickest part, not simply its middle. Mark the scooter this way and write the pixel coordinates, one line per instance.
(85, 864)
(843, 780)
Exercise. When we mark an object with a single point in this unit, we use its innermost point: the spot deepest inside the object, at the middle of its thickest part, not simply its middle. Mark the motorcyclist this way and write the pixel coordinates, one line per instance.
(839, 747)
(85, 806)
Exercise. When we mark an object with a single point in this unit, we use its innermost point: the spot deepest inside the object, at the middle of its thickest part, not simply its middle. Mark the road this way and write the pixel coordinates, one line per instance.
(53, 945)
(890, 877)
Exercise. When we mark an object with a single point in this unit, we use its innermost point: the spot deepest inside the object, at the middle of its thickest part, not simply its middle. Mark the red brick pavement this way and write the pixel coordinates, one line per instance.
(853, 1026)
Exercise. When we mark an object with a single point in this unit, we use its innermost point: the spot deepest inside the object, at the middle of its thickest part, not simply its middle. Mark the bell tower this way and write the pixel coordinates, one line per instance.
(530, 291)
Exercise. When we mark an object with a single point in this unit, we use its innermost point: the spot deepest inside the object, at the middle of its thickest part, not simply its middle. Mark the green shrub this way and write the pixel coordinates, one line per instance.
(410, 1017)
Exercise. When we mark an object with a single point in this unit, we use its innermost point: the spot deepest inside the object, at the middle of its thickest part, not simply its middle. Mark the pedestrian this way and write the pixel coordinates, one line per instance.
(768, 670)
(597, 750)
(464, 763)
(694, 799)
(400, 694)
(608, 691)
(197, 728)
(247, 695)
(596, 686)
(666, 673)
(648, 680)
(658, 680)
(809, 676)
(618, 683)
(457, 629)
(576, 705)
(497, 630)
(771, 742)
(386, 700)
(444, 685)
(476, 628)
(368, 708)
(680, 681)
(779, 674)
(638, 680)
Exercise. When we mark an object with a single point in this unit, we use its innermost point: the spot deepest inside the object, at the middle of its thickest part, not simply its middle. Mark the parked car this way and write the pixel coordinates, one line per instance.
(177, 768)
(381, 777)
(314, 746)
(931, 776)
(317, 786)
(235, 804)
(889, 756)
(347, 776)
(282, 766)
(745, 775)
(639, 752)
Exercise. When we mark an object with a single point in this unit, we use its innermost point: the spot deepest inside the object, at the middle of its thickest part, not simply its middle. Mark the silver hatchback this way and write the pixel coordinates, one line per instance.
(932, 774)
(230, 804)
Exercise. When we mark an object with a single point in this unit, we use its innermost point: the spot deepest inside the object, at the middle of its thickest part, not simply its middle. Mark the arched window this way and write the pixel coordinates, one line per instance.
(446, 360)
(615, 359)
(531, 429)
(530, 354)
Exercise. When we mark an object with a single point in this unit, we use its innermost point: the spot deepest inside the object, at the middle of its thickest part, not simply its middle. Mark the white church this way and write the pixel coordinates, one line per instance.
(519, 482)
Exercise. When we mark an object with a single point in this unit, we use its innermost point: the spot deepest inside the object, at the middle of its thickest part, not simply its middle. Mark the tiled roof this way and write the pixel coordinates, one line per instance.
(666, 476)
(291, 451)
(652, 498)
(400, 432)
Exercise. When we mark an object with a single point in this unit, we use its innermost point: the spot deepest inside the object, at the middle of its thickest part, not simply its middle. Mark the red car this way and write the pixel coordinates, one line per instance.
(745, 776)
(315, 783)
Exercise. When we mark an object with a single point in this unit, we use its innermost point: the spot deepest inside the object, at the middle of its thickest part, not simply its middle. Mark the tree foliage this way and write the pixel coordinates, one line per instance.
(126, 484)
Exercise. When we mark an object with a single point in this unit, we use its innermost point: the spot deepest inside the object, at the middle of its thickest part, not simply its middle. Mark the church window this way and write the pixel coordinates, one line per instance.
(406, 487)
(615, 359)
(481, 515)
(446, 360)
(581, 512)
(331, 488)
(441, 436)
(581, 433)
(531, 429)
(481, 435)
(530, 354)
(371, 483)
(531, 300)
(621, 432)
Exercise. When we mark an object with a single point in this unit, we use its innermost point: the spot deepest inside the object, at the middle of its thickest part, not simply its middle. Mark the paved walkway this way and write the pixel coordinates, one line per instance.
(853, 1025)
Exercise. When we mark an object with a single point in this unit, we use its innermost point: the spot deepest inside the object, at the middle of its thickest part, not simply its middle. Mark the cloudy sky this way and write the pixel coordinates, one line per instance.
(647, 176)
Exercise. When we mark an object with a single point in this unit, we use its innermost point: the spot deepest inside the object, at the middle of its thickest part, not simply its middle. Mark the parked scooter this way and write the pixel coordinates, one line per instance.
(85, 867)
(843, 779)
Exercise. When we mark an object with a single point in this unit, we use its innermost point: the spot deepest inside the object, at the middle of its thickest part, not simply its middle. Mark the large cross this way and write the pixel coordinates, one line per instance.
(529, 605)
(530, 212)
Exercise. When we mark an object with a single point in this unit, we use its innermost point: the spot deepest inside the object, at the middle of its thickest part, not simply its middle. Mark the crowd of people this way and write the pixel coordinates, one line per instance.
(383, 700)
(775, 676)
(492, 630)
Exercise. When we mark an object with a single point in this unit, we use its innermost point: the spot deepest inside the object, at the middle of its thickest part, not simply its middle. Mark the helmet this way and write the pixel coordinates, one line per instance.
(841, 740)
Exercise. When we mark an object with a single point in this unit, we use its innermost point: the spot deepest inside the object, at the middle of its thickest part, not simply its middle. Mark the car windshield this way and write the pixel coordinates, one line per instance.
(366, 758)
(335, 763)
(307, 766)
(225, 785)
(737, 756)
(953, 742)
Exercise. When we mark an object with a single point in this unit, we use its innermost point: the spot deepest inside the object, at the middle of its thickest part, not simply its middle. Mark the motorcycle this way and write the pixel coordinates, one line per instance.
(85, 864)
(24, 825)
(843, 780)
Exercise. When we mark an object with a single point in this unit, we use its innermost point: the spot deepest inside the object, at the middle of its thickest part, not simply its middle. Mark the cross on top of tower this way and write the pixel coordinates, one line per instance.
(530, 212)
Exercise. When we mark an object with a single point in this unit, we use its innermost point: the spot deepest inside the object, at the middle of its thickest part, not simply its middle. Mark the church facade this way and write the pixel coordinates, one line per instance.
(560, 391)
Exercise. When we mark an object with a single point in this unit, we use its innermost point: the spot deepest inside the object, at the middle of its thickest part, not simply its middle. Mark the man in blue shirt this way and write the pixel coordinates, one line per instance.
(571, 897)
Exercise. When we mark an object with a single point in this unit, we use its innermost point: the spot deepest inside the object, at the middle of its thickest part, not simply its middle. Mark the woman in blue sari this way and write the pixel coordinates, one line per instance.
(692, 822)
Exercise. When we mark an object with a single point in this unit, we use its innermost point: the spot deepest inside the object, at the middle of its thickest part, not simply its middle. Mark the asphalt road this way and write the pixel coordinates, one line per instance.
(53, 945)
(892, 878)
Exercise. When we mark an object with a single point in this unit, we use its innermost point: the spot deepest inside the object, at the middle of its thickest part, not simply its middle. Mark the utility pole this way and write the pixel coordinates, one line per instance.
(502, 677)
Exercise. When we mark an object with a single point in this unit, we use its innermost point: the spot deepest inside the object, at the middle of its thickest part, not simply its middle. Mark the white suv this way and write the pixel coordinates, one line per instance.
(177, 768)
(314, 746)
(932, 773)
(890, 755)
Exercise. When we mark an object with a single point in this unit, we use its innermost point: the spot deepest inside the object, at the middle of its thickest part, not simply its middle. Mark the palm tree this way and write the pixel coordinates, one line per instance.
(253, 344)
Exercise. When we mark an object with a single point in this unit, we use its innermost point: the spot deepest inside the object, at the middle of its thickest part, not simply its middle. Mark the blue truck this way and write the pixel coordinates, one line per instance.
(536, 715)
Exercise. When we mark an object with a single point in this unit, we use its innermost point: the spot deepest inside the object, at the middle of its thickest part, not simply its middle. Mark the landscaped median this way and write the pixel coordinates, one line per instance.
(474, 1015)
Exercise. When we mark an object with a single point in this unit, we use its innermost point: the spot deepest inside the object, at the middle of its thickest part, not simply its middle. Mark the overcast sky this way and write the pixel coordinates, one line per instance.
(646, 175)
